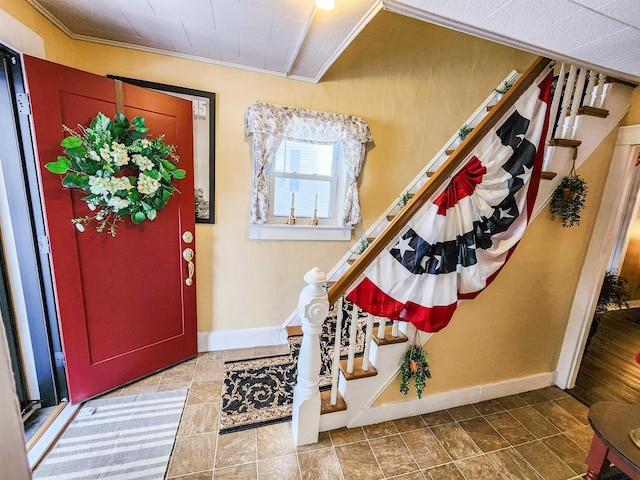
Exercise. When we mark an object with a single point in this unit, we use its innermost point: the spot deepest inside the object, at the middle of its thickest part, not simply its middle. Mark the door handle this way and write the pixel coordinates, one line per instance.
(187, 254)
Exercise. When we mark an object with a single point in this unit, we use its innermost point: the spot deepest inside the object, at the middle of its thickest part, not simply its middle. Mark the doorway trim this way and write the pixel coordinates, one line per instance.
(620, 179)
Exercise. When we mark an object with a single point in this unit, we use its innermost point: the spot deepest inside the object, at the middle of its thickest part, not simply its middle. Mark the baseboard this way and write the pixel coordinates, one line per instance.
(244, 338)
(455, 398)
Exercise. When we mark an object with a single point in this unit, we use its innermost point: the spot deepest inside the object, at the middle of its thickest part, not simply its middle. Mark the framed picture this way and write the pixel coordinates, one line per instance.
(204, 107)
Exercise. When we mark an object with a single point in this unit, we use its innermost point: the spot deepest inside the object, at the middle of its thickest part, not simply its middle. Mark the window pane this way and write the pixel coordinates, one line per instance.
(305, 158)
(305, 197)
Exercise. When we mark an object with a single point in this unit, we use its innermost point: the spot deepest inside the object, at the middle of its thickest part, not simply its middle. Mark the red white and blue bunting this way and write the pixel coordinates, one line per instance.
(457, 243)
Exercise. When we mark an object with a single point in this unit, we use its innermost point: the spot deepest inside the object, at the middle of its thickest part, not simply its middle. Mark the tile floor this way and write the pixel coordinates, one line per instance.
(543, 434)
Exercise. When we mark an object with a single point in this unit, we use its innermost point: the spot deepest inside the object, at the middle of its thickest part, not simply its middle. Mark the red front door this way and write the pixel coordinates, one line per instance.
(124, 307)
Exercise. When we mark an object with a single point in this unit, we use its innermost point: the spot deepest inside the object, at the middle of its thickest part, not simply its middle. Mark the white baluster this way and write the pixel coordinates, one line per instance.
(553, 113)
(603, 89)
(575, 104)
(335, 366)
(394, 329)
(589, 91)
(566, 102)
(381, 327)
(353, 332)
(313, 306)
(367, 343)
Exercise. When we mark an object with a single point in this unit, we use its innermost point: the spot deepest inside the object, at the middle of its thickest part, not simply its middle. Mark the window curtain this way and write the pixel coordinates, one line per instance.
(270, 124)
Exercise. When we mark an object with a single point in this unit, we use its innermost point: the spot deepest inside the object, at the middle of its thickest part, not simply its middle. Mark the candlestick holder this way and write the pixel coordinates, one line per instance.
(292, 217)
(314, 219)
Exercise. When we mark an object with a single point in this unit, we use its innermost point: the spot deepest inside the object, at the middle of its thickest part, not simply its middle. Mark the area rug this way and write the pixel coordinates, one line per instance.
(259, 392)
(117, 438)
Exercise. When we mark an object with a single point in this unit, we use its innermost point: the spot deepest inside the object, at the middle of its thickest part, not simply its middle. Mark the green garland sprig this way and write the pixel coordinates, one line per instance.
(124, 173)
(414, 365)
(568, 200)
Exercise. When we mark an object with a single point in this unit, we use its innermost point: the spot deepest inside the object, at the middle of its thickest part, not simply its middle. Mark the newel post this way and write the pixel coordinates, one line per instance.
(313, 306)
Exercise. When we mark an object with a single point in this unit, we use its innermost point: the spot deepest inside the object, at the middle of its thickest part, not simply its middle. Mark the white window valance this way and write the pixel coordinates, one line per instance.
(269, 124)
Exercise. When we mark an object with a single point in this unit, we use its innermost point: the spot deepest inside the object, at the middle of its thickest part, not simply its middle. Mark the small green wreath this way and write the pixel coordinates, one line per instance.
(414, 365)
(568, 199)
(124, 173)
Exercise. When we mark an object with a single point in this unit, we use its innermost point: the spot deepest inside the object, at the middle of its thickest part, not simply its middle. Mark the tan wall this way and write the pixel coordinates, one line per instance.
(414, 83)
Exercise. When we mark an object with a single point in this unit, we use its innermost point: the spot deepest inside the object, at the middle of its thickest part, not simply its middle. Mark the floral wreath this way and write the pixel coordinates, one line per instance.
(100, 160)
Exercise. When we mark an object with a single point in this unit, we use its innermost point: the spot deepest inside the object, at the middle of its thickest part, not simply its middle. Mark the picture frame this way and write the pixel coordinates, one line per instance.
(204, 107)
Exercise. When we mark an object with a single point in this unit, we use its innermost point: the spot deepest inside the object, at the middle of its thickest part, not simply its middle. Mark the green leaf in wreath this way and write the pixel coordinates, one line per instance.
(159, 203)
(71, 142)
(179, 173)
(70, 180)
(135, 135)
(121, 121)
(80, 151)
(153, 173)
(101, 122)
(118, 131)
(138, 123)
(133, 196)
(137, 217)
(151, 214)
(60, 166)
(146, 206)
(169, 165)
(79, 164)
(166, 175)
(166, 195)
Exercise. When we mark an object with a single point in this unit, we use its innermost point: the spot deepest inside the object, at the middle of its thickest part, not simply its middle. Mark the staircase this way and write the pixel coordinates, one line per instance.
(588, 107)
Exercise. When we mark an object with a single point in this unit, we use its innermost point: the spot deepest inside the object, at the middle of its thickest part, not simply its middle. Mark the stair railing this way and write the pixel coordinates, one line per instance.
(306, 403)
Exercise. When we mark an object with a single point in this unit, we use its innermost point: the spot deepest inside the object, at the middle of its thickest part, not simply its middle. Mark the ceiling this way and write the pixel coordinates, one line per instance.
(293, 38)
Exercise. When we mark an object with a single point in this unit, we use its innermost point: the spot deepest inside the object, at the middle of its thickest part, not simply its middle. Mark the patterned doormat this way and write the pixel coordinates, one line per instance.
(259, 391)
(116, 438)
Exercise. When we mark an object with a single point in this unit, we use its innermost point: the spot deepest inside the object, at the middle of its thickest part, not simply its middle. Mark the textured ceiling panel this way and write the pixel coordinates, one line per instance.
(626, 11)
(192, 11)
(593, 4)
(610, 48)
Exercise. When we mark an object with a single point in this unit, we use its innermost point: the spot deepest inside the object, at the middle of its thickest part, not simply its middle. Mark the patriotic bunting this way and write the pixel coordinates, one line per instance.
(456, 244)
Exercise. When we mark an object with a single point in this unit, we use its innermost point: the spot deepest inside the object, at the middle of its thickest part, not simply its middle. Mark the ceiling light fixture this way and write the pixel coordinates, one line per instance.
(325, 4)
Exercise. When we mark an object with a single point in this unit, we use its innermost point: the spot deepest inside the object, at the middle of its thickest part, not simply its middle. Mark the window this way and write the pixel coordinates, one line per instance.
(309, 176)
(304, 159)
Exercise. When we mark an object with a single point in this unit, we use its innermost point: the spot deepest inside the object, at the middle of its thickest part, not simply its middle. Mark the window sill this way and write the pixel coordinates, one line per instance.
(299, 232)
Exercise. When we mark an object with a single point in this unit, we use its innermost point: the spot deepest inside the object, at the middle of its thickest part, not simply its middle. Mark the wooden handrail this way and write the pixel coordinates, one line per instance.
(441, 175)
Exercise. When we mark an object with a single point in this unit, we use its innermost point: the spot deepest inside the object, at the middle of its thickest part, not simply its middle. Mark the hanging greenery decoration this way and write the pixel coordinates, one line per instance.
(414, 365)
(124, 173)
(464, 131)
(568, 199)
(404, 199)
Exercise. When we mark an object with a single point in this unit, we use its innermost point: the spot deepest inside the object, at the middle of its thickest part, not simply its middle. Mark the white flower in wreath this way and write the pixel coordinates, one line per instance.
(105, 153)
(98, 185)
(118, 203)
(118, 183)
(119, 154)
(147, 185)
(142, 162)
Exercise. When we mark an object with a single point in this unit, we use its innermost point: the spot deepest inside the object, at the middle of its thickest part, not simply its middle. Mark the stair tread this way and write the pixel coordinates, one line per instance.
(564, 142)
(388, 338)
(390, 217)
(449, 152)
(620, 81)
(357, 370)
(490, 107)
(548, 175)
(593, 111)
(294, 330)
(325, 403)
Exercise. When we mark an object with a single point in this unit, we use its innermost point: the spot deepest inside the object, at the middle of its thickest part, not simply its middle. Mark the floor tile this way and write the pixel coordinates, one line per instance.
(163, 387)
(512, 466)
(568, 452)
(183, 372)
(437, 418)
(247, 471)
(478, 468)
(209, 356)
(546, 463)
(553, 392)
(534, 422)
(134, 390)
(511, 430)
(208, 475)
(206, 371)
(240, 354)
(444, 472)
(275, 440)
(464, 412)
(267, 351)
(380, 429)
(579, 411)
(319, 464)
(324, 441)
(456, 441)
(425, 448)
(346, 435)
(192, 454)
(511, 402)
(358, 462)
(533, 397)
(205, 392)
(393, 456)
(557, 416)
(236, 448)
(582, 437)
(410, 423)
(279, 468)
(483, 434)
(488, 407)
(199, 419)
(411, 476)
